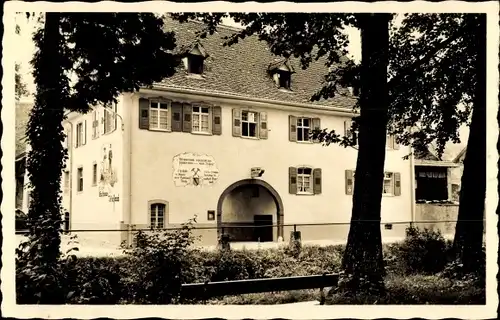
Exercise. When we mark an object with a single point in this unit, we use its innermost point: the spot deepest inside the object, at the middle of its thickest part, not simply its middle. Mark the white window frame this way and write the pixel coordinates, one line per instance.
(156, 111)
(109, 116)
(153, 215)
(248, 122)
(302, 128)
(79, 134)
(79, 177)
(388, 176)
(198, 115)
(301, 178)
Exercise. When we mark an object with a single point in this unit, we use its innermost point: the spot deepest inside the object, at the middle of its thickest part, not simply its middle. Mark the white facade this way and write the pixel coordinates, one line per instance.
(145, 171)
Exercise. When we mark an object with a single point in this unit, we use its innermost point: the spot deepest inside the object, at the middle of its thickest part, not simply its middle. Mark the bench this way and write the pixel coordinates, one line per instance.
(207, 290)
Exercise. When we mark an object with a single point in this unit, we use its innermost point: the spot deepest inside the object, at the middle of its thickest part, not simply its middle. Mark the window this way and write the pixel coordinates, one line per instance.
(94, 174)
(195, 64)
(391, 185)
(80, 179)
(249, 124)
(284, 78)
(303, 129)
(66, 221)
(304, 180)
(391, 142)
(109, 119)
(201, 119)
(80, 134)
(388, 188)
(157, 215)
(66, 181)
(95, 125)
(158, 115)
(304, 177)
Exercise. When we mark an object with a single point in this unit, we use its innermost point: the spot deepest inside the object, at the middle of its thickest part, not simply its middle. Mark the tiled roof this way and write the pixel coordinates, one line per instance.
(23, 110)
(242, 69)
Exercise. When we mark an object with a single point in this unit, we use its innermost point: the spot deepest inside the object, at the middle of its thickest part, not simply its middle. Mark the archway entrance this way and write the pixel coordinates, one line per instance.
(250, 210)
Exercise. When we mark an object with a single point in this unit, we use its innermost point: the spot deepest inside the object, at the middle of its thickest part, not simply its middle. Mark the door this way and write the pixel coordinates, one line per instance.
(263, 228)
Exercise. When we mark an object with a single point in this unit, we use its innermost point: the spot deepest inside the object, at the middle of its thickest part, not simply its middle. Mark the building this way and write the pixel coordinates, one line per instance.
(437, 190)
(226, 140)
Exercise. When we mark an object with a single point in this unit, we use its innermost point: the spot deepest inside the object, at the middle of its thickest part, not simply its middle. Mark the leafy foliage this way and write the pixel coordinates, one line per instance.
(161, 262)
(137, 53)
(20, 86)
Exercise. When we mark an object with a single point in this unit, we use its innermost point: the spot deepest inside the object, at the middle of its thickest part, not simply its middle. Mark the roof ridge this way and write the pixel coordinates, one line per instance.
(223, 26)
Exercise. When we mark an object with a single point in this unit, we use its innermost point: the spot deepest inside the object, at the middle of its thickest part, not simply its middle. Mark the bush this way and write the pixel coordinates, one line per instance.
(422, 251)
(159, 264)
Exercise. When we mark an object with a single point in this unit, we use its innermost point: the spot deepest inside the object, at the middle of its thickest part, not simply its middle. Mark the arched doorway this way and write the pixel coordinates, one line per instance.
(247, 203)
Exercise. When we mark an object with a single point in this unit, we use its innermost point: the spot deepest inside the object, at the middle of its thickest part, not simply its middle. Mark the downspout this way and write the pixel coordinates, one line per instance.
(412, 183)
(69, 138)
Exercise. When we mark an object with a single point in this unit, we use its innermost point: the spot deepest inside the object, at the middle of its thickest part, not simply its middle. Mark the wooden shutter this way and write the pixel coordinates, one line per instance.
(216, 120)
(115, 121)
(263, 125)
(396, 145)
(292, 180)
(84, 140)
(397, 184)
(349, 182)
(347, 128)
(187, 113)
(76, 138)
(317, 181)
(143, 113)
(292, 120)
(176, 113)
(95, 124)
(316, 125)
(236, 122)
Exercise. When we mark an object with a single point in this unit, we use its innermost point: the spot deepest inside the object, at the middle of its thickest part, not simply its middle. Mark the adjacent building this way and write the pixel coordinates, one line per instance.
(225, 140)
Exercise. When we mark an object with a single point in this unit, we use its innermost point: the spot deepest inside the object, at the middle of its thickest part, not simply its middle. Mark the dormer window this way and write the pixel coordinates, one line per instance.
(281, 72)
(195, 58)
(195, 64)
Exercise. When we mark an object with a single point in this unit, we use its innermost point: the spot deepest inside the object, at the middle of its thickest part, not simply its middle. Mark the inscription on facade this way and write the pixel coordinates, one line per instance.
(193, 169)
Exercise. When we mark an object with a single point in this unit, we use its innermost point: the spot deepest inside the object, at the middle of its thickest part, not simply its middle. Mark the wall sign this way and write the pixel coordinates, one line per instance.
(193, 169)
(108, 176)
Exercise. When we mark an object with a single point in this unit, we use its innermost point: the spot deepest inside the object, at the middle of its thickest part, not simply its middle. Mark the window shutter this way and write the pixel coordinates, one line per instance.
(292, 128)
(176, 116)
(317, 181)
(292, 180)
(84, 140)
(75, 139)
(316, 125)
(349, 182)
(216, 120)
(143, 114)
(263, 125)
(397, 184)
(347, 128)
(115, 121)
(94, 124)
(236, 123)
(187, 111)
(396, 145)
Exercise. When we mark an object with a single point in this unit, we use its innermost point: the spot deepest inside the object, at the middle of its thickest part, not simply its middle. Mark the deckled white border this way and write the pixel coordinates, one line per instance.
(9, 309)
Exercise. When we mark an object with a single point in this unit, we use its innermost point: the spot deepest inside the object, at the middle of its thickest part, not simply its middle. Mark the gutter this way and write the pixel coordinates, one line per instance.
(256, 102)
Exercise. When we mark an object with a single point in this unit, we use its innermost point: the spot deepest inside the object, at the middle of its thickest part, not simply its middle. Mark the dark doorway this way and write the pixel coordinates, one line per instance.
(263, 228)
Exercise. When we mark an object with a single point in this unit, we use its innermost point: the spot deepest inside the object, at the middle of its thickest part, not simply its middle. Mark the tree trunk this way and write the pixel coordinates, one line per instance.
(469, 229)
(45, 136)
(363, 256)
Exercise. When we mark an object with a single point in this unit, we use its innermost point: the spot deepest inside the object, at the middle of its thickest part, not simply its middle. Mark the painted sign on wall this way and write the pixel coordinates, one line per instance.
(108, 176)
(193, 169)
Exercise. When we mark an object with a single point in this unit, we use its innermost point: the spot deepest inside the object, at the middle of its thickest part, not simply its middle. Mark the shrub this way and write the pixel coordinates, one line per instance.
(160, 263)
(422, 251)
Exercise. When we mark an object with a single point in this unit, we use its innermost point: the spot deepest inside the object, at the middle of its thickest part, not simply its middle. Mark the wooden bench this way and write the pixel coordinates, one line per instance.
(207, 290)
